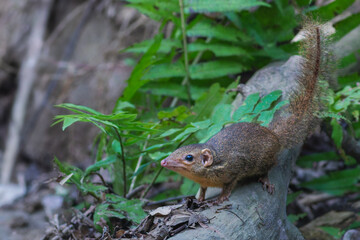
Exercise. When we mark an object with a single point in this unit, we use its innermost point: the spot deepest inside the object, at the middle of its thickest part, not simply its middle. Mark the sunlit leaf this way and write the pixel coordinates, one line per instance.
(218, 31)
(215, 69)
(221, 5)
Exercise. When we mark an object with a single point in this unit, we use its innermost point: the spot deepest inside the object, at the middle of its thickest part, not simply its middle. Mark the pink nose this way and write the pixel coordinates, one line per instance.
(163, 163)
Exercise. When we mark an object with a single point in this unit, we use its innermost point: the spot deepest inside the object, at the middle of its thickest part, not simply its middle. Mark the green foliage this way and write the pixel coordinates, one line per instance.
(336, 183)
(330, 10)
(308, 160)
(293, 218)
(333, 231)
(118, 207)
(204, 6)
(292, 196)
(135, 81)
(150, 120)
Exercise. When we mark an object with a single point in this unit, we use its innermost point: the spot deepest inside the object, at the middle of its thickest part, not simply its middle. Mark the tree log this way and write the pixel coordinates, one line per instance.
(254, 213)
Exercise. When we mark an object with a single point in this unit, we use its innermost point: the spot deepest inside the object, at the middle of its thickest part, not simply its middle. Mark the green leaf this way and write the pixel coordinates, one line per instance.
(147, 10)
(201, 125)
(279, 5)
(214, 129)
(203, 6)
(347, 60)
(115, 146)
(345, 26)
(188, 187)
(133, 208)
(68, 121)
(292, 196)
(101, 139)
(332, 9)
(219, 49)
(350, 80)
(336, 183)
(337, 134)
(157, 146)
(165, 47)
(247, 106)
(221, 113)
(173, 89)
(170, 132)
(267, 100)
(93, 188)
(141, 169)
(265, 117)
(157, 156)
(78, 108)
(204, 105)
(308, 160)
(215, 69)
(218, 31)
(179, 113)
(135, 81)
(185, 133)
(293, 218)
(158, 10)
(101, 164)
(165, 70)
(335, 232)
(121, 105)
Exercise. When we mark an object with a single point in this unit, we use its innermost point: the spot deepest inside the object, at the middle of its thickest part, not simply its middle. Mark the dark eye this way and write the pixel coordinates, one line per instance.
(189, 157)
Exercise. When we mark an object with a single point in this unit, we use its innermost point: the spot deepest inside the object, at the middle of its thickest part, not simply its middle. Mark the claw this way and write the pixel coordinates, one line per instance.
(266, 185)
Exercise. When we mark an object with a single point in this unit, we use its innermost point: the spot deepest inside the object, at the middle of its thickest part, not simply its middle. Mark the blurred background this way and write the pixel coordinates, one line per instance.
(53, 52)
(57, 51)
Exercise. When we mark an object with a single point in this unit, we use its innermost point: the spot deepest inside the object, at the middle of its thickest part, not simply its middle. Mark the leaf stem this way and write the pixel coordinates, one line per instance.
(186, 58)
(196, 60)
(122, 159)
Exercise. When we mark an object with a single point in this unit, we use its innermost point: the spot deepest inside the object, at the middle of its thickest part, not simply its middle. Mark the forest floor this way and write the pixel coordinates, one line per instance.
(49, 208)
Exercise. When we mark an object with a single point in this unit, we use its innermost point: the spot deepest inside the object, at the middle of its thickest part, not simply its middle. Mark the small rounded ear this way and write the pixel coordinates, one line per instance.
(206, 157)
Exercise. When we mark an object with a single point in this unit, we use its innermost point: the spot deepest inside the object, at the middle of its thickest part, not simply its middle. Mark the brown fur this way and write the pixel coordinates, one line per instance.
(245, 150)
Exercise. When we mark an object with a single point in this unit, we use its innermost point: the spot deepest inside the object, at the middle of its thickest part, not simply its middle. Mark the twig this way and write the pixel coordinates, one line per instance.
(138, 164)
(261, 219)
(101, 178)
(123, 160)
(135, 191)
(235, 215)
(152, 183)
(27, 78)
(167, 200)
(186, 58)
(94, 196)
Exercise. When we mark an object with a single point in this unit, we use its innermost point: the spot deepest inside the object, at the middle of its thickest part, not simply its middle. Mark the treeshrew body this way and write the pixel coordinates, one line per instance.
(246, 150)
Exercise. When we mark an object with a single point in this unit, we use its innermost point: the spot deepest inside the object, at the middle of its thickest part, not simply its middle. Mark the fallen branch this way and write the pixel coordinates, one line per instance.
(27, 78)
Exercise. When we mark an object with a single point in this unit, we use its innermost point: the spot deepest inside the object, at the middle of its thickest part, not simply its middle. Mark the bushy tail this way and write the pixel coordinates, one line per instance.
(305, 101)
